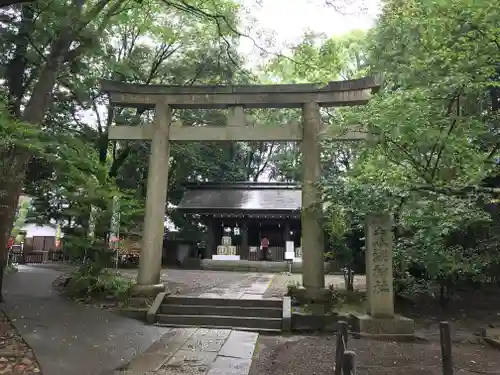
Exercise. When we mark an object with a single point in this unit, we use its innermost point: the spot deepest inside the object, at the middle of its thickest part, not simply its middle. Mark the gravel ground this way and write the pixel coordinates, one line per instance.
(315, 356)
(181, 281)
(178, 280)
(16, 357)
(278, 287)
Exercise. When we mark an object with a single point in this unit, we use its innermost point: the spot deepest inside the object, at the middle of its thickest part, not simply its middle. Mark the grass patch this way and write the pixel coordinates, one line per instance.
(349, 301)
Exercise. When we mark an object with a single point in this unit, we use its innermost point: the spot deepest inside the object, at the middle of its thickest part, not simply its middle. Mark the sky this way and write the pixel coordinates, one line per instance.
(286, 23)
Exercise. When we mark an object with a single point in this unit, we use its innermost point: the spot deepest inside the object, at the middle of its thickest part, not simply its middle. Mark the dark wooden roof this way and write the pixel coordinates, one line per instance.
(241, 197)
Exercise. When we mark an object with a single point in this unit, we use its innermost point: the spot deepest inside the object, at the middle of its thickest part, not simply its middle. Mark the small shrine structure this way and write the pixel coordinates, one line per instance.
(239, 214)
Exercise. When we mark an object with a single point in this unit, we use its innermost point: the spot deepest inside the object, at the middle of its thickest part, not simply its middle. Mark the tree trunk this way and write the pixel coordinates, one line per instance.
(34, 114)
(8, 204)
(38, 104)
(349, 278)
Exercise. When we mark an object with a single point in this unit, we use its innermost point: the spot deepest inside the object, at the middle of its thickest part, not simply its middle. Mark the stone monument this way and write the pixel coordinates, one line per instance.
(380, 317)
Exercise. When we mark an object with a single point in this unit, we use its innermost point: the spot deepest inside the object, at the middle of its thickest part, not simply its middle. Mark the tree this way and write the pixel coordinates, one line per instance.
(433, 133)
(46, 45)
(432, 129)
(20, 219)
(74, 31)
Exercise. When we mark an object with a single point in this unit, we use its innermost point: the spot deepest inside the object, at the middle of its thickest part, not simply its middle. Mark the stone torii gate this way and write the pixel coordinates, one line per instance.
(234, 99)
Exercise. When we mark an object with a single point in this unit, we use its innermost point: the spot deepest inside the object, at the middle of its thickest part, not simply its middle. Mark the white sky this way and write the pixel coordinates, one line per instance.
(285, 21)
(274, 24)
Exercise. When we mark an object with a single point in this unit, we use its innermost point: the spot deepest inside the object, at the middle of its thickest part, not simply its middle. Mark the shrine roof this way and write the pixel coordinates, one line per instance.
(241, 197)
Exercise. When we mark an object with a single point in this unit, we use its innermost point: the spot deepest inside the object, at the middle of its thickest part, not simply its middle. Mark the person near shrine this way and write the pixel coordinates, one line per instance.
(264, 245)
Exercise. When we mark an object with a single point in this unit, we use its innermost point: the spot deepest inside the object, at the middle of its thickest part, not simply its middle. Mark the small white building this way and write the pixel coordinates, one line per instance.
(35, 230)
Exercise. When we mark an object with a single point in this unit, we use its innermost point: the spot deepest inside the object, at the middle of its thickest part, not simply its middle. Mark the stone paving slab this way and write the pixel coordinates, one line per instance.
(147, 363)
(190, 358)
(249, 286)
(186, 351)
(230, 366)
(240, 345)
(196, 282)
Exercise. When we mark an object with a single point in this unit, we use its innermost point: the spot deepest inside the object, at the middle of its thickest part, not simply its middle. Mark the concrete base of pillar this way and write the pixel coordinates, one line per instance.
(147, 290)
(396, 325)
(318, 296)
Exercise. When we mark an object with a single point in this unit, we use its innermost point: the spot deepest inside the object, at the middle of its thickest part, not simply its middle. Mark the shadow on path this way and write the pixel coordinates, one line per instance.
(70, 338)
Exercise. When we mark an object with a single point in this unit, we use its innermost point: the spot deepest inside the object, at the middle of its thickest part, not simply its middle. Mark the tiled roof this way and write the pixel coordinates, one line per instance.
(242, 197)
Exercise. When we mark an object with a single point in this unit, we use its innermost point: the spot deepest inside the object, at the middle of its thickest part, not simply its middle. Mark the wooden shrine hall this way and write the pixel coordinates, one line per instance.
(246, 212)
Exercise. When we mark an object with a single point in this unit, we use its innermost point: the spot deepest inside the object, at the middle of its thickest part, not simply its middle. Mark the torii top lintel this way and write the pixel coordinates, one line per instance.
(335, 93)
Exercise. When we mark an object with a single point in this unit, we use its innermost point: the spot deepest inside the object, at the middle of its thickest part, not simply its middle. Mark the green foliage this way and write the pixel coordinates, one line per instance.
(92, 283)
(20, 219)
(432, 137)
(410, 287)
(430, 140)
(320, 60)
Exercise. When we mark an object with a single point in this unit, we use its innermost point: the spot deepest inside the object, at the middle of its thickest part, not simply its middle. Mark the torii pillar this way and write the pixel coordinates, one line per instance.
(156, 199)
(313, 266)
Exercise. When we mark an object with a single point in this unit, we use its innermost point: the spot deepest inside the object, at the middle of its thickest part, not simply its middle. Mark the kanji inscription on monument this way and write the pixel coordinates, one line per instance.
(379, 240)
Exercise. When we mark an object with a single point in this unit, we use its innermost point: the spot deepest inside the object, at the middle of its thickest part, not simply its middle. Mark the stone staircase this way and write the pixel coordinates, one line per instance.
(261, 315)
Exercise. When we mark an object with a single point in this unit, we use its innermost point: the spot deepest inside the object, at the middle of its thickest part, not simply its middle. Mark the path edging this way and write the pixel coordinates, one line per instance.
(286, 319)
(153, 310)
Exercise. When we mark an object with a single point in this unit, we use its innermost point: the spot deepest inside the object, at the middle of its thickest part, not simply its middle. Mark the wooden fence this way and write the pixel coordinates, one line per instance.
(40, 243)
(277, 254)
(345, 360)
(21, 256)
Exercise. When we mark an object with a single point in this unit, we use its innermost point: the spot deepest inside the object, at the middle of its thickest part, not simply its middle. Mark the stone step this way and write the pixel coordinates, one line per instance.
(220, 321)
(200, 301)
(260, 330)
(243, 311)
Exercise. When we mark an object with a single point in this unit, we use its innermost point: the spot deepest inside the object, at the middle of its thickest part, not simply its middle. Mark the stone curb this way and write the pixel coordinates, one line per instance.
(493, 342)
(133, 313)
(151, 314)
(307, 323)
(139, 290)
(286, 323)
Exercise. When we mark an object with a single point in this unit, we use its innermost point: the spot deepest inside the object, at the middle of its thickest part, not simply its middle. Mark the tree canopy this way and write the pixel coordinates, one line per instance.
(430, 158)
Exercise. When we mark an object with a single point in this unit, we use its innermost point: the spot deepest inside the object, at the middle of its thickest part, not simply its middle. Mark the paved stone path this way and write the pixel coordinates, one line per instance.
(76, 339)
(187, 351)
(70, 338)
(250, 286)
(217, 283)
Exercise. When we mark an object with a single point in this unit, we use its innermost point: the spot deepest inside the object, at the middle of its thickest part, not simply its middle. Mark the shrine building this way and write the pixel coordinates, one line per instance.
(239, 214)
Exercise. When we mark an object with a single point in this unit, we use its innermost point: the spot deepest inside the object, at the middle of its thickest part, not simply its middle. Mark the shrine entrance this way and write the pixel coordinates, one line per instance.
(235, 100)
